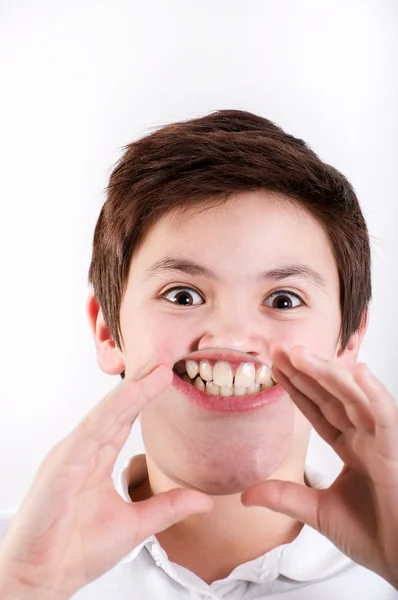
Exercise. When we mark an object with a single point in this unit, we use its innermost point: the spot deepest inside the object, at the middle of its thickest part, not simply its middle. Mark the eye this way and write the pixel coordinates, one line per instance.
(183, 296)
(283, 300)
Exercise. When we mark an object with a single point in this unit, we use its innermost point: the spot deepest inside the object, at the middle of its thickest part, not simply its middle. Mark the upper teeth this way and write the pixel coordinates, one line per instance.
(245, 375)
(205, 370)
(192, 368)
(220, 379)
(222, 374)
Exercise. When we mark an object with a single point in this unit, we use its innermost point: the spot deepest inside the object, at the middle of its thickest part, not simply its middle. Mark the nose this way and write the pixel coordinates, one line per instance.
(233, 335)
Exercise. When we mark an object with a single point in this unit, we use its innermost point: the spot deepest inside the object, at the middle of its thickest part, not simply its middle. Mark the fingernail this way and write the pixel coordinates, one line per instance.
(274, 379)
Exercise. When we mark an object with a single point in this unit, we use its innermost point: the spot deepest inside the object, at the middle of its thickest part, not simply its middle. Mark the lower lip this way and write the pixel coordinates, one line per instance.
(227, 404)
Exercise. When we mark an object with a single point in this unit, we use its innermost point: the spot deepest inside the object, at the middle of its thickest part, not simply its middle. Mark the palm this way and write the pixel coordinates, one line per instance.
(103, 530)
(87, 531)
(354, 512)
(73, 526)
(346, 515)
(357, 417)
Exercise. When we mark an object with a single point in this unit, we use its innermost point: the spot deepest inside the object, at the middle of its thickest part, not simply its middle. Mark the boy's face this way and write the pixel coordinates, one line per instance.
(229, 305)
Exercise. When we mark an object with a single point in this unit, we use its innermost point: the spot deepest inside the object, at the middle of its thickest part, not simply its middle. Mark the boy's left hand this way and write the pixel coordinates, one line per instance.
(357, 417)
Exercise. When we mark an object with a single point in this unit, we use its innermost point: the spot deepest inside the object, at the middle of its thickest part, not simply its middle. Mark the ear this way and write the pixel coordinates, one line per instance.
(109, 357)
(348, 357)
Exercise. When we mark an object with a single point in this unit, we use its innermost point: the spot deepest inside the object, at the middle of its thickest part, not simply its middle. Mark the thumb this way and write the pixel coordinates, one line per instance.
(291, 499)
(164, 510)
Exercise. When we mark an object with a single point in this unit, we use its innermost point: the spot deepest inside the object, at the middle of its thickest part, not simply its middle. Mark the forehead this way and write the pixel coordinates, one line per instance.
(249, 231)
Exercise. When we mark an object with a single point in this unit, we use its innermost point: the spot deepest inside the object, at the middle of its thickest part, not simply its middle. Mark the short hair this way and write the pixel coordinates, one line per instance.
(203, 162)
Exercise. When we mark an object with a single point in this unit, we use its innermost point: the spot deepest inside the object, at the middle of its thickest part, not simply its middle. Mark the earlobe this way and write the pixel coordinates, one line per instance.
(109, 357)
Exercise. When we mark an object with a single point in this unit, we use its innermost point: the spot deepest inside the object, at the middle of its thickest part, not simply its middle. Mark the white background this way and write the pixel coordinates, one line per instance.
(82, 78)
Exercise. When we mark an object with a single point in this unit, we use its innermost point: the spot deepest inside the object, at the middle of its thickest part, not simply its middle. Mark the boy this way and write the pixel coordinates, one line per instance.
(221, 233)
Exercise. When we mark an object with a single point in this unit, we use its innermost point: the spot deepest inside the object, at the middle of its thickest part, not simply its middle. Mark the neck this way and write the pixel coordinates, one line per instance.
(212, 545)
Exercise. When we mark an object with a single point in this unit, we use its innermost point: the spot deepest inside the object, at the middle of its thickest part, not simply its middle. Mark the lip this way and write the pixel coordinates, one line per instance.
(227, 404)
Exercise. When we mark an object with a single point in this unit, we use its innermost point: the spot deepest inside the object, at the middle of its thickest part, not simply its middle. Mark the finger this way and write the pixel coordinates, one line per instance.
(164, 510)
(291, 499)
(385, 413)
(339, 383)
(106, 420)
(161, 357)
(309, 409)
(383, 406)
(331, 408)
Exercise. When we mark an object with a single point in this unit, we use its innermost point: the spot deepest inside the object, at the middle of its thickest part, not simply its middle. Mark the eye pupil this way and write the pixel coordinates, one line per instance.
(282, 302)
(183, 298)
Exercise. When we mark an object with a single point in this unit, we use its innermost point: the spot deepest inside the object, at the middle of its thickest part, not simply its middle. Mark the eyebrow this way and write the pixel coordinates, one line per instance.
(189, 267)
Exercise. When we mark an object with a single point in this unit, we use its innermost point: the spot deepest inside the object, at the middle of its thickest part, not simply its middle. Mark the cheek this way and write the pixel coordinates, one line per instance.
(148, 333)
(320, 335)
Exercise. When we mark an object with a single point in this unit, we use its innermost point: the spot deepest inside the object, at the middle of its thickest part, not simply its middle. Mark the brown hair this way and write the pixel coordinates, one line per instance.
(203, 162)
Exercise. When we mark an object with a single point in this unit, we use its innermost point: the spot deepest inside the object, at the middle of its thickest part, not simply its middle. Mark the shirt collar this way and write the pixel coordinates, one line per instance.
(132, 475)
(310, 556)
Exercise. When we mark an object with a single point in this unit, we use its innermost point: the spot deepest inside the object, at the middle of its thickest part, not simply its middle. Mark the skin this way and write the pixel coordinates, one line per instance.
(60, 538)
(253, 232)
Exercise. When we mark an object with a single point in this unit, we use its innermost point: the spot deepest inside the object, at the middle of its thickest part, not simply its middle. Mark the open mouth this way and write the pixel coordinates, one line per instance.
(226, 378)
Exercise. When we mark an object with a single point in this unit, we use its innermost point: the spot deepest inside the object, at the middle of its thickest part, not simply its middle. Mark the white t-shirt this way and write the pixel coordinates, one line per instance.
(309, 568)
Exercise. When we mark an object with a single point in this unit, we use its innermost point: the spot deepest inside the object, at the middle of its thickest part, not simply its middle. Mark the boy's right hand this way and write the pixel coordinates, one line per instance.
(73, 526)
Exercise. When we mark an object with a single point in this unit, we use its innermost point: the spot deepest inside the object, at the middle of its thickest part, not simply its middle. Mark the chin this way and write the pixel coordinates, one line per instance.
(219, 453)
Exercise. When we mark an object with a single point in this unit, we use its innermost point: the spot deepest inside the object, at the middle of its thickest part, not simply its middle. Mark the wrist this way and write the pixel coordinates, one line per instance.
(13, 588)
